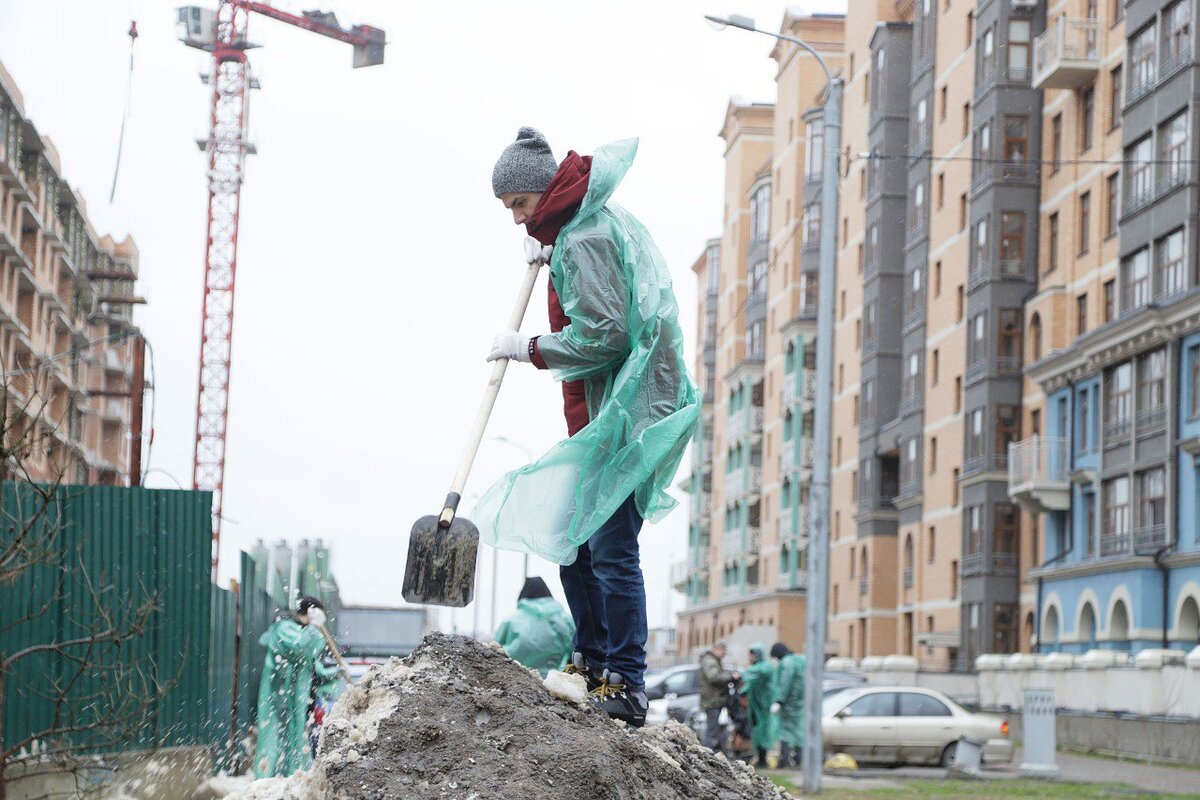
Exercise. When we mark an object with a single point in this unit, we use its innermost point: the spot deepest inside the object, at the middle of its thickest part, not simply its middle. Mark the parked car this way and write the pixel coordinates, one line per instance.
(673, 681)
(906, 724)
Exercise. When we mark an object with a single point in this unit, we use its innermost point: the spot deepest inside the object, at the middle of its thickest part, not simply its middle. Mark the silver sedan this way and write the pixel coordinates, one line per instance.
(907, 724)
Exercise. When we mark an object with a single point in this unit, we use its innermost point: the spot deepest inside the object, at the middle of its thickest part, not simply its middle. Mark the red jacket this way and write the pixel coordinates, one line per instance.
(558, 204)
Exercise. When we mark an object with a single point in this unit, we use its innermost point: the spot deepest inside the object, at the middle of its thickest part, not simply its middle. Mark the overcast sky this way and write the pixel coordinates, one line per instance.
(374, 265)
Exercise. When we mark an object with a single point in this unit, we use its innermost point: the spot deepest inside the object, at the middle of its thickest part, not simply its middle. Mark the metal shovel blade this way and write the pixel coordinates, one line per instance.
(441, 563)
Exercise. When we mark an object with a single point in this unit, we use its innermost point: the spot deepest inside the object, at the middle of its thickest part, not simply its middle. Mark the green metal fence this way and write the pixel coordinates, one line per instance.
(103, 552)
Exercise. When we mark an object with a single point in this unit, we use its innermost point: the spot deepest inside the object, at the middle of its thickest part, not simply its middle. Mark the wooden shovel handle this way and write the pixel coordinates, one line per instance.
(489, 400)
(336, 653)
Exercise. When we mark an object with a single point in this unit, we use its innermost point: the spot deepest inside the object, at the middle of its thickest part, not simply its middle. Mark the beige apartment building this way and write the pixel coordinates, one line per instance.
(746, 570)
(69, 350)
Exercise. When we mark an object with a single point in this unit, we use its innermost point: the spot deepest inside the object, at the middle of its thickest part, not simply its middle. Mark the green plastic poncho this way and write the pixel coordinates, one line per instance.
(625, 344)
(758, 684)
(789, 693)
(539, 635)
(292, 661)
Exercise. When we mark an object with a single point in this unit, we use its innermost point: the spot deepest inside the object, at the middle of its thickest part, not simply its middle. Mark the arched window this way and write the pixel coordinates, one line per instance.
(908, 552)
(1189, 622)
(1049, 636)
(1029, 632)
(1118, 627)
(1087, 626)
(1035, 336)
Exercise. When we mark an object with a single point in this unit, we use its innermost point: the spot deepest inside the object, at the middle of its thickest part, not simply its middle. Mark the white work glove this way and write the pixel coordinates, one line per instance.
(316, 617)
(511, 345)
(775, 708)
(535, 253)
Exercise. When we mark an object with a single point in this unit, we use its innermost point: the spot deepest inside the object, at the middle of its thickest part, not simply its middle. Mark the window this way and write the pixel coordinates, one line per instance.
(1084, 436)
(914, 296)
(1173, 150)
(941, 190)
(954, 502)
(1110, 300)
(1135, 278)
(1152, 498)
(957, 394)
(1008, 430)
(1139, 172)
(868, 399)
(1016, 139)
(1085, 222)
(1141, 61)
(880, 704)
(970, 29)
(933, 444)
(814, 144)
(966, 119)
(1055, 143)
(912, 377)
(973, 519)
(1152, 382)
(987, 55)
(1119, 398)
(1008, 343)
(1116, 515)
(1035, 335)
(1052, 243)
(811, 224)
(1177, 33)
(909, 465)
(754, 341)
(959, 316)
(869, 313)
(931, 551)
(1114, 97)
(1194, 380)
(1169, 271)
(962, 211)
(1112, 190)
(975, 433)
(945, 104)
(937, 279)
(922, 705)
(1081, 321)
(1118, 11)
(953, 580)
(758, 278)
(760, 212)
(1087, 114)
(918, 208)
(920, 129)
(1006, 530)
(981, 244)
(1018, 49)
(1012, 243)
(936, 369)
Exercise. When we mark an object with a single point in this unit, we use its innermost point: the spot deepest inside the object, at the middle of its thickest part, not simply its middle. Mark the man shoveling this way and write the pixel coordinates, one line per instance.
(630, 405)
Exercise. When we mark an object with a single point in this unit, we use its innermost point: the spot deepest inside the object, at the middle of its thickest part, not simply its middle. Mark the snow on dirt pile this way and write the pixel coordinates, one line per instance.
(458, 720)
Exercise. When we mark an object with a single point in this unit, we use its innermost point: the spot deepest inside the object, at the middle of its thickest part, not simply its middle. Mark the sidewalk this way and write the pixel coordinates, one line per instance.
(1075, 768)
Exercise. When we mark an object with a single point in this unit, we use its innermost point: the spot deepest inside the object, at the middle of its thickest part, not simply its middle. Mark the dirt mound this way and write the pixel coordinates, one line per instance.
(458, 719)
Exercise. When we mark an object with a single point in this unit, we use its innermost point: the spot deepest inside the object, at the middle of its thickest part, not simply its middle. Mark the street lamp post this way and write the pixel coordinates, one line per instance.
(818, 538)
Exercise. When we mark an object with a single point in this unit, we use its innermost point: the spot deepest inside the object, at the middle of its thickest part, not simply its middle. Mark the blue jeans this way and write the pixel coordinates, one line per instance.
(607, 597)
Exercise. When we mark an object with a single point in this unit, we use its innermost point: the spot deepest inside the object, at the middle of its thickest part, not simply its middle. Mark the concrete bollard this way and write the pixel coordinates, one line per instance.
(1038, 720)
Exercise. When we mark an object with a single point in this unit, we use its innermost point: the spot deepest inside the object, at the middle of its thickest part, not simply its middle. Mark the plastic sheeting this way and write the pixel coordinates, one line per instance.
(624, 342)
(539, 635)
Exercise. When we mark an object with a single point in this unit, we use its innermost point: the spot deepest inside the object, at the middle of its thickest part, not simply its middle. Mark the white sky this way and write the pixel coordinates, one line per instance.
(374, 265)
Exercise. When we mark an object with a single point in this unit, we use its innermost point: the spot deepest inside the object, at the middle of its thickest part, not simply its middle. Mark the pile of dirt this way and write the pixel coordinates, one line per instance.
(459, 719)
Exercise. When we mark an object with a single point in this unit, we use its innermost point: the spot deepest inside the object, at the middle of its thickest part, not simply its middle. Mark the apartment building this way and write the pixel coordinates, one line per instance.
(1109, 468)
(69, 350)
(747, 569)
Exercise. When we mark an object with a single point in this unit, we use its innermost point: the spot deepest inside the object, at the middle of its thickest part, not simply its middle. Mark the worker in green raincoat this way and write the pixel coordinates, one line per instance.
(758, 684)
(631, 406)
(789, 704)
(539, 635)
(294, 645)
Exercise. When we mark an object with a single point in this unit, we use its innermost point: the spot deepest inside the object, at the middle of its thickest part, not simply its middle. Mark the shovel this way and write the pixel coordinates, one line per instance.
(442, 549)
(337, 654)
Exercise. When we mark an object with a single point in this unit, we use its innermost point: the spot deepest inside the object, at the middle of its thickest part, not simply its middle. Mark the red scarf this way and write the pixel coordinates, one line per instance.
(558, 205)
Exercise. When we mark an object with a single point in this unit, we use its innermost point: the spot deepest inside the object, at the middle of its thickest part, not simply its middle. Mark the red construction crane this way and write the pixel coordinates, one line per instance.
(223, 33)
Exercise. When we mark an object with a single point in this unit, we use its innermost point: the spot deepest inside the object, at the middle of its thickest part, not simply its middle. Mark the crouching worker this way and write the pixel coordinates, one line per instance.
(293, 662)
(630, 405)
(539, 635)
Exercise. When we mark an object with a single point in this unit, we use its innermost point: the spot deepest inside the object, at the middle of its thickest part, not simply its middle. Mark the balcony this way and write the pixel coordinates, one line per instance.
(789, 460)
(916, 233)
(978, 273)
(1065, 56)
(808, 386)
(1114, 543)
(1152, 420)
(910, 403)
(743, 481)
(1149, 538)
(679, 576)
(790, 391)
(1039, 473)
(745, 421)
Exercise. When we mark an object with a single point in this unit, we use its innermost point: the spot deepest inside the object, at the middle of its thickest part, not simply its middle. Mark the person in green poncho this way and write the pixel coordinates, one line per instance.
(294, 645)
(631, 406)
(539, 635)
(758, 684)
(789, 703)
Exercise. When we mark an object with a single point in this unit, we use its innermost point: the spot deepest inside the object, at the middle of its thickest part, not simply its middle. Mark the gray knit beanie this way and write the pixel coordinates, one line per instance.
(526, 165)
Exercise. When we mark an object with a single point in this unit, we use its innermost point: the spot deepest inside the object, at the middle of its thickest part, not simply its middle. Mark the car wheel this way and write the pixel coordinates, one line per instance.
(948, 755)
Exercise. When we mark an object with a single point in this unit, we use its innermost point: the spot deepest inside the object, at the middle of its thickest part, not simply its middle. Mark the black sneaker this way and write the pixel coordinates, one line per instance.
(620, 702)
(578, 666)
